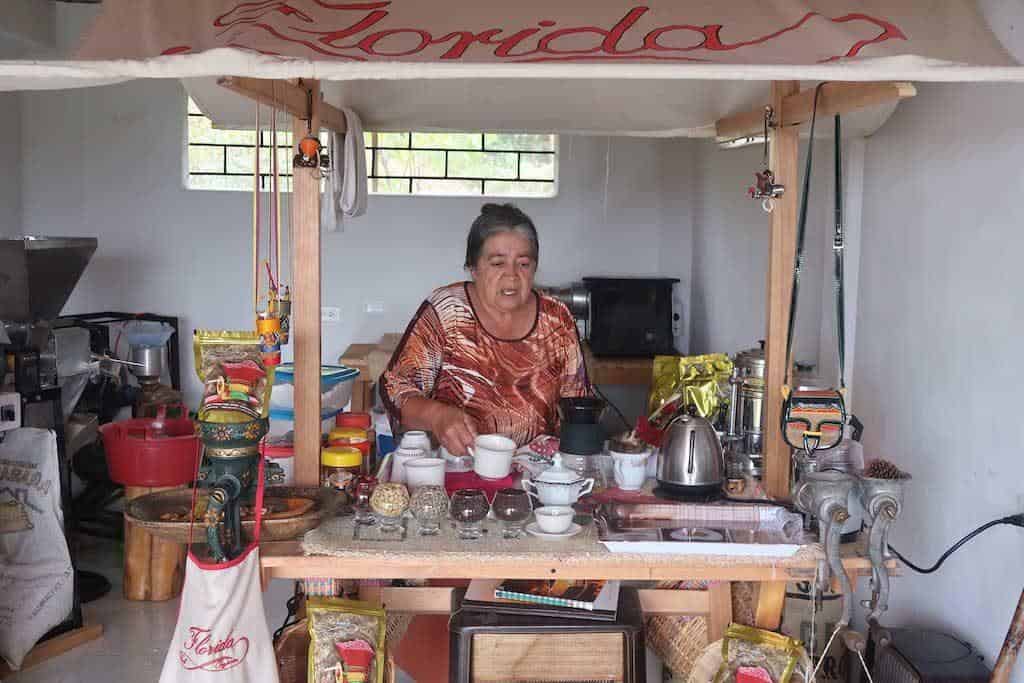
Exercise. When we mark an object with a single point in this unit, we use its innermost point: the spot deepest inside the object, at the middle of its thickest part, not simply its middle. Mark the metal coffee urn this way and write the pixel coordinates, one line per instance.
(746, 412)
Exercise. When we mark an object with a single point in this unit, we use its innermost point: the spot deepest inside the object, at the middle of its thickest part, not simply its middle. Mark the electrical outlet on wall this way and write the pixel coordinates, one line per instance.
(330, 314)
(375, 307)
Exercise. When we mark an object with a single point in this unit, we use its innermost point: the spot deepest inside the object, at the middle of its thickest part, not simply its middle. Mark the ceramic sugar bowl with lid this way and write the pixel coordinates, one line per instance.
(558, 485)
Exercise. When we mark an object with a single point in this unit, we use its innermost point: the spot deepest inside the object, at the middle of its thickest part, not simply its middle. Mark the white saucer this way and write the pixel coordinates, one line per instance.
(535, 530)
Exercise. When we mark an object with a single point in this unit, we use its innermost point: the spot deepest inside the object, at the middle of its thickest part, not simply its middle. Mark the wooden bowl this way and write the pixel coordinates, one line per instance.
(298, 510)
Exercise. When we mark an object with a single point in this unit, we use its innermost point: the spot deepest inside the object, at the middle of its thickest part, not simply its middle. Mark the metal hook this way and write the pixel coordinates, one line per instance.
(768, 204)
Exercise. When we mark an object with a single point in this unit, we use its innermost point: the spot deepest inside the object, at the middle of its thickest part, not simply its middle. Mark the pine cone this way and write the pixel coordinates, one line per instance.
(883, 469)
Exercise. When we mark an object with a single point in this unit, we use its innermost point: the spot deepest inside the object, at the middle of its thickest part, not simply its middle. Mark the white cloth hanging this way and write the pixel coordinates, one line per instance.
(222, 634)
(345, 195)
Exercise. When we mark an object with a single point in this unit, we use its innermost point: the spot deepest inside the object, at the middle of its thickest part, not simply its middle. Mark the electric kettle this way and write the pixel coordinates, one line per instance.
(691, 462)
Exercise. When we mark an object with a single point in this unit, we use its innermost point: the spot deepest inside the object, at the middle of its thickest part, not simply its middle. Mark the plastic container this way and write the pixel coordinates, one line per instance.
(151, 451)
(357, 420)
(340, 466)
(336, 383)
(282, 452)
(283, 421)
(350, 436)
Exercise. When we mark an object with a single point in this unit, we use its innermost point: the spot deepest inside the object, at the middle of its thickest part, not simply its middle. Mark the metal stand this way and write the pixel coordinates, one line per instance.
(92, 321)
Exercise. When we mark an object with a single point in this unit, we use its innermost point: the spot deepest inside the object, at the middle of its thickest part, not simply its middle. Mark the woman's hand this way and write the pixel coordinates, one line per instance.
(453, 428)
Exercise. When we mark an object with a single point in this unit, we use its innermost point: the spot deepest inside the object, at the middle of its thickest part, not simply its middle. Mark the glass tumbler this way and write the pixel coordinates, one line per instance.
(512, 508)
(361, 500)
(468, 507)
(429, 506)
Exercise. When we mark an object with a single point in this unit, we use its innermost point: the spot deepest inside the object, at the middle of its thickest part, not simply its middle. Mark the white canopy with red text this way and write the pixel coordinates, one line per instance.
(660, 67)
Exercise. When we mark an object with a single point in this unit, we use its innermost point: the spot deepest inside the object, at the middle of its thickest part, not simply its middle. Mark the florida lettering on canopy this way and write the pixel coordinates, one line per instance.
(791, 32)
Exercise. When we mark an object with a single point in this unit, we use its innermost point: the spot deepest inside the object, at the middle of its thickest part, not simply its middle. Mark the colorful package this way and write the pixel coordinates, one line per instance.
(236, 381)
(340, 632)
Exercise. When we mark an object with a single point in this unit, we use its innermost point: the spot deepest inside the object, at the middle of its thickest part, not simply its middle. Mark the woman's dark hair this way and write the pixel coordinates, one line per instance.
(495, 218)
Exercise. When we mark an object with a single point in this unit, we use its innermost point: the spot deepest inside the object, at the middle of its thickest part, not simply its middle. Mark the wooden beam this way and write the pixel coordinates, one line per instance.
(305, 329)
(285, 560)
(409, 600)
(781, 252)
(836, 98)
(290, 97)
(53, 647)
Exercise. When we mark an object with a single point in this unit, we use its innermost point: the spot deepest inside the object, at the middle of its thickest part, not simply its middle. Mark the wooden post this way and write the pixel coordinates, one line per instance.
(781, 252)
(1011, 646)
(771, 599)
(305, 330)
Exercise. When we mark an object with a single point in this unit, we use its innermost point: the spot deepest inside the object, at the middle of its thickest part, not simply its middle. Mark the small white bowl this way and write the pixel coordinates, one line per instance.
(554, 519)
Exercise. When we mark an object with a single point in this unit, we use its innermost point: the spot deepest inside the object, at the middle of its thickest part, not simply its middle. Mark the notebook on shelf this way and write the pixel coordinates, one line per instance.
(482, 596)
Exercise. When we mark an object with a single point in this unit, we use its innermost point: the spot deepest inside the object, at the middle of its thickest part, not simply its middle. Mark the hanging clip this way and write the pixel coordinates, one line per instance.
(310, 151)
(765, 187)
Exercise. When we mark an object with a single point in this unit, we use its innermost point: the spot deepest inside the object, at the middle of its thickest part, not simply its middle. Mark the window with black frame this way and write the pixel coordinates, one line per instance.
(397, 163)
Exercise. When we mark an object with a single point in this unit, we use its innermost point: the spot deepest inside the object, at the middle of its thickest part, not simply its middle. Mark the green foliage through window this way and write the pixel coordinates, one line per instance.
(419, 163)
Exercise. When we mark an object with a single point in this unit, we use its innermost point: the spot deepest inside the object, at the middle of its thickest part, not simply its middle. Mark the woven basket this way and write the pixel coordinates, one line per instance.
(398, 624)
(292, 652)
(678, 641)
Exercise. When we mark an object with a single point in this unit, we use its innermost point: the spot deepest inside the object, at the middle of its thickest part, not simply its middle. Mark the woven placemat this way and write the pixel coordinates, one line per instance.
(336, 537)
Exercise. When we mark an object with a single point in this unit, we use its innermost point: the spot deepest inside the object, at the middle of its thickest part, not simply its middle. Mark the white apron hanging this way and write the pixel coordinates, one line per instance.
(222, 634)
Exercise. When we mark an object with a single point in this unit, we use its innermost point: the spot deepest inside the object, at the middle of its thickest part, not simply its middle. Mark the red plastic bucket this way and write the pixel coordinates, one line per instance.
(151, 451)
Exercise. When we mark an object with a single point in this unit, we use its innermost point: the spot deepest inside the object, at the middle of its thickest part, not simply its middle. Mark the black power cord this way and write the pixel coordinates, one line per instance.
(1014, 520)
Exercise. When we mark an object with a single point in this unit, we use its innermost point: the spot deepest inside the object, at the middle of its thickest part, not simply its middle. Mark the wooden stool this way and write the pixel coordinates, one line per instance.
(154, 568)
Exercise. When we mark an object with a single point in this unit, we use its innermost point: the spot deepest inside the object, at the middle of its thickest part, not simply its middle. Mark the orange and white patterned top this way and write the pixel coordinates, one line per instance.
(507, 386)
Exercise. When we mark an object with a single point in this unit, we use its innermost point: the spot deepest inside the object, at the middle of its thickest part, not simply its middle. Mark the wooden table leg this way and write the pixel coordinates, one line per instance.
(720, 609)
(771, 596)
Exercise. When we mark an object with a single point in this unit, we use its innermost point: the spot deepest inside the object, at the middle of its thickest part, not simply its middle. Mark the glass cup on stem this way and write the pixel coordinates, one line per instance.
(429, 506)
(389, 502)
(361, 500)
(468, 507)
(512, 508)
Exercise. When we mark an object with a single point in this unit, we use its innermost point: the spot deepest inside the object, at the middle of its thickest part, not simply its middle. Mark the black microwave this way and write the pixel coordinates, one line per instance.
(631, 316)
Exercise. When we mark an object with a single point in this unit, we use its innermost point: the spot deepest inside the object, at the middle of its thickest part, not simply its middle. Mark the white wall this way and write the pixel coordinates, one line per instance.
(730, 252)
(168, 250)
(939, 329)
(10, 164)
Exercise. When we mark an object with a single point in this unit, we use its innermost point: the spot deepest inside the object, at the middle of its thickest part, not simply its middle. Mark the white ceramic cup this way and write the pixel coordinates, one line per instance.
(423, 472)
(397, 460)
(492, 456)
(417, 438)
(554, 519)
(630, 470)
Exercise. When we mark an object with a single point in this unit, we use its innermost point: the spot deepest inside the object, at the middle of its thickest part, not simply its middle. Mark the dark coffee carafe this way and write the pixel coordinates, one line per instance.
(581, 432)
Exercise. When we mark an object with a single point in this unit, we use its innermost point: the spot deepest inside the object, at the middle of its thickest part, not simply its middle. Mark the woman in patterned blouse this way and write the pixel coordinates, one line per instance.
(491, 355)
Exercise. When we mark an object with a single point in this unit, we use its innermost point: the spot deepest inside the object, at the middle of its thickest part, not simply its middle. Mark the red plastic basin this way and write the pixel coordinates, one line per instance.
(151, 451)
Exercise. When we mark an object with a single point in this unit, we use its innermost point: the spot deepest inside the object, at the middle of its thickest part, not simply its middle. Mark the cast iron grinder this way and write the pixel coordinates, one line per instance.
(882, 500)
(230, 471)
(824, 495)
